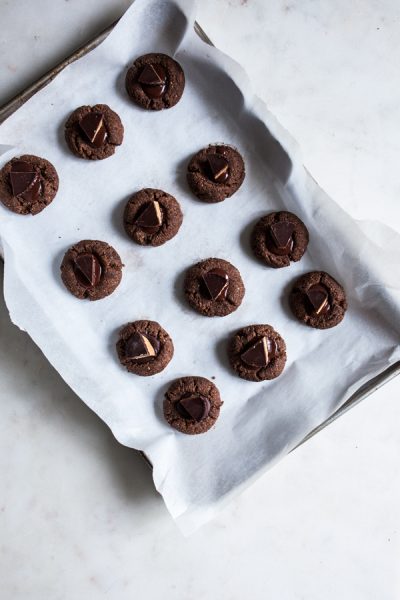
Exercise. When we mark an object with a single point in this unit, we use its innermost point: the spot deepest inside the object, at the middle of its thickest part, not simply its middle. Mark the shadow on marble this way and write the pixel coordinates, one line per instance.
(65, 413)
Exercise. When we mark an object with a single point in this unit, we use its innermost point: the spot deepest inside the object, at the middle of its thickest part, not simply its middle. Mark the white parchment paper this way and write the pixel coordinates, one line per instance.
(259, 423)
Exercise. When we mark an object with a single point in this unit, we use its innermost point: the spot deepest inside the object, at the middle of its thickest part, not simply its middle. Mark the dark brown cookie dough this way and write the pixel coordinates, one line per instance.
(279, 238)
(152, 217)
(257, 353)
(192, 405)
(214, 287)
(155, 81)
(93, 132)
(215, 173)
(91, 269)
(28, 184)
(144, 348)
(318, 300)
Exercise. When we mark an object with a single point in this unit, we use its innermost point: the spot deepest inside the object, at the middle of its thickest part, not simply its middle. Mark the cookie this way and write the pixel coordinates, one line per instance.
(144, 348)
(279, 238)
(192, 405)
(93, 132)
(28, 184)
(215, 173)
(91, 269)
(155, 81)
(152, 217)
(214, 287)
(318, 300)
(257, 353)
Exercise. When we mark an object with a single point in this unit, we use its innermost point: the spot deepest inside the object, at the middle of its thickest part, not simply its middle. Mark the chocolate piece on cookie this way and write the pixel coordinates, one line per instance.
(318, 300)
(279, 238)
(93, 132)
(192, 405)
(144, 347)
(152, 217)
(155, 81)
(257, 353)
(215, 173)
(28, 184)
(214, 287)
(91, 269)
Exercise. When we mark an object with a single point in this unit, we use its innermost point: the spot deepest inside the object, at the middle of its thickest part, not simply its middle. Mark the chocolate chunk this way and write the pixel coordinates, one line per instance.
(154, 91)
(144, 348)
(23, 177)
(165, 213)
(216, 282)
(218, 168)
(87, 269)
(193, 406)
(281, 233)
(280, 238)
(150, 217)
(214, 287)
(318, 299)
(80, 131)
(34, 190)
(259, 354)
(91, 269)
(215, 173)
(153, 80)
(21, 166)
(152, 75)
(140, 346)
(28, 184)
(92, 125)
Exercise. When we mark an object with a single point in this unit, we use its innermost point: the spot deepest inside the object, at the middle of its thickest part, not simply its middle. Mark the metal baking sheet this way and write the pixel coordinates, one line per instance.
(10, 107)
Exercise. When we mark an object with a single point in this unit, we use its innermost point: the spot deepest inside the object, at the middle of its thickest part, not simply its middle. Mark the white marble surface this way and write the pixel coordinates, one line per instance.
(78, 514)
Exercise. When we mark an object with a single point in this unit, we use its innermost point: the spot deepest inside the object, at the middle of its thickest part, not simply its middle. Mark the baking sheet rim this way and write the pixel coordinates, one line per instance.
(17, 101)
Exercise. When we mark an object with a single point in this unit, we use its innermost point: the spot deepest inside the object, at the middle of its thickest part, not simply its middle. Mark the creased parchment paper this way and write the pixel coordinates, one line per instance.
(259, 422)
